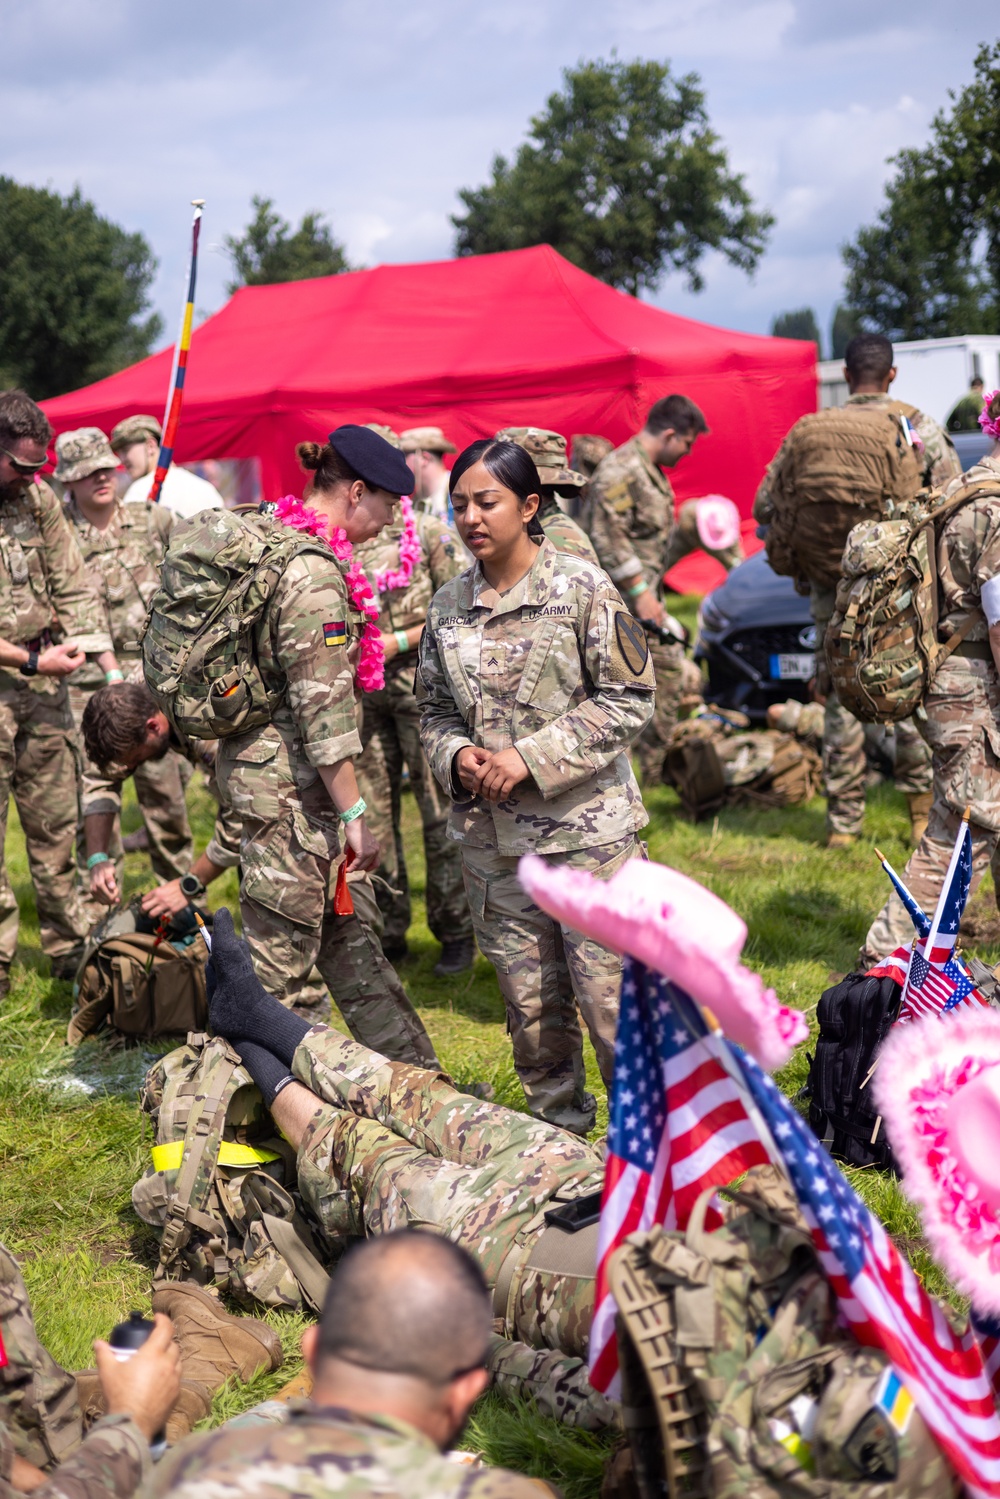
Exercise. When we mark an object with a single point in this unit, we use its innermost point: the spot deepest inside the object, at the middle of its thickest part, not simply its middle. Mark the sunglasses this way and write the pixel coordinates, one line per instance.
(27, 469)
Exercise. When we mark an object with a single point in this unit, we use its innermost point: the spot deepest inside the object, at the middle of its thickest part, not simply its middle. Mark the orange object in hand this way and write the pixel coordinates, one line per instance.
(343, 905)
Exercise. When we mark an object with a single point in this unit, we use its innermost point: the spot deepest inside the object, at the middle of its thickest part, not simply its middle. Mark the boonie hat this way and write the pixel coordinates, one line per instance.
(81, 453)
(587, 450)
(372, 458)
(135, 429)
(718, 522)
(425, 440)
(548, 449)
(384, 431)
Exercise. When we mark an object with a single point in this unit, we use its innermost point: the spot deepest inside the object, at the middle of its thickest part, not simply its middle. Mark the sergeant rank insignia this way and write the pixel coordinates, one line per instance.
(631, 642)
(335, 633)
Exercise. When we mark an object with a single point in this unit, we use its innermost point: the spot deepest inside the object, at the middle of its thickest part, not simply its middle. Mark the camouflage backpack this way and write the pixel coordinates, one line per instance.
(713, 763)
(199, 642)
(738, 1383)
(882, 645)
(222, 1184)
(840, 465)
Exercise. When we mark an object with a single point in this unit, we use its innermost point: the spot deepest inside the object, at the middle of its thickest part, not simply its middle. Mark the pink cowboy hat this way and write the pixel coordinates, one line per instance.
(938, 1088)
(718, 522)
(680, 929)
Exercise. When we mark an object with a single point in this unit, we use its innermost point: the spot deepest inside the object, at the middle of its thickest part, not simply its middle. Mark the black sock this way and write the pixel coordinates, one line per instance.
(239, 1007)
(268, 1071)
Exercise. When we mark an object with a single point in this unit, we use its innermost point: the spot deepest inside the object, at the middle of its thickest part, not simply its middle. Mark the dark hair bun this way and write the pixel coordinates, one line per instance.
(310, 454)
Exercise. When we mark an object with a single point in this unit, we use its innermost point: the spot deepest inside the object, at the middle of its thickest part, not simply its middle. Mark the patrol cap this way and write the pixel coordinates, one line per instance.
(135, 429)
(384, 431)
(426, 440)
(81, 453)
(376, 461)
(548, 449)
(587, 451)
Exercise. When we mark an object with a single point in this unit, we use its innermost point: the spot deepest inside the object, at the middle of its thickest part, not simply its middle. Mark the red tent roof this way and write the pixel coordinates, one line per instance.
(470, 345)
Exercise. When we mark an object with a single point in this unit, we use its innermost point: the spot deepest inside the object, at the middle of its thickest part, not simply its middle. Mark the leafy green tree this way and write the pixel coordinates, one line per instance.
(929, 266)
(846, 323)
(73, 292)
(623, 175)
(268, 250)
(800, 324)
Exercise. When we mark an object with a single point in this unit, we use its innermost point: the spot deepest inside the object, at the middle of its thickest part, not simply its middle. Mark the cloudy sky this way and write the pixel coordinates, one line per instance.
(376, 112)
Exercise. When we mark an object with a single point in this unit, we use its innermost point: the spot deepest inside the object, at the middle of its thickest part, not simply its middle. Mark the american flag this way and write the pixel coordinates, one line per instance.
(987, 1331)
(679, 1123)
(882, 1301)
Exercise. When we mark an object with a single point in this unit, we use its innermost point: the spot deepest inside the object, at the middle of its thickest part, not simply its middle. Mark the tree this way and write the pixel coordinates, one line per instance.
(73, 291)
(623, 175)
(801, 324)
(929, 266)
(846, 323)
(268, 250)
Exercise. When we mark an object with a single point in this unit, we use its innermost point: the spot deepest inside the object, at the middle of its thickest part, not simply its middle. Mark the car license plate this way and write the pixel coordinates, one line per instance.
(793, 668)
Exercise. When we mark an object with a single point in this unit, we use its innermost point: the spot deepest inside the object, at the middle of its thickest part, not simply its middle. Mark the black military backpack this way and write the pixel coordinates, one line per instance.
(854, 1019)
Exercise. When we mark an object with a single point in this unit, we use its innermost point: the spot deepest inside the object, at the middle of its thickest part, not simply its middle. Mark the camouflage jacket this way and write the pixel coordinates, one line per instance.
(43, 580)
(401, 608)
(316, 1452)
(556, 666)
(269, 773)
(630, 514)
(940, 463)
(969, 552)
(123, 562)
(110, 1463)
(565, 534)
(38, 1405)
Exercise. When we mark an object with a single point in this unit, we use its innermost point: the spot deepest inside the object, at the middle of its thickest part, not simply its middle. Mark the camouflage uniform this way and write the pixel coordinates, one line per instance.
(685, 539)
(124, 559)
(629, 518)
(548, 451)
(290, 847)
(313, 1452)
(963, 718)
(557, 667)
(396, 1146)
(44, 593)
(391, 738)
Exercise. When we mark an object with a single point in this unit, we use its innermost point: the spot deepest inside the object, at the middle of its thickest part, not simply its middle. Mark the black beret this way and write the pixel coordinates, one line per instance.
(372, 458)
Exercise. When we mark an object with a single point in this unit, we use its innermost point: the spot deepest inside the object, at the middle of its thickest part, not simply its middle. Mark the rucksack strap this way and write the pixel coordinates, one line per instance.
(205, 1125)
(293, 1241)
(964, 496)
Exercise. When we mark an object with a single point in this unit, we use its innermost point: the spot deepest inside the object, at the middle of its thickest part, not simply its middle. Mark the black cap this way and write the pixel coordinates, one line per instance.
(372, 458)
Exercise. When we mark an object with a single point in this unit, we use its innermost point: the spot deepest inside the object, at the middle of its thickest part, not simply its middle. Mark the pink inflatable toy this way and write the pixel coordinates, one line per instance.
(680, 929)
(718, 522)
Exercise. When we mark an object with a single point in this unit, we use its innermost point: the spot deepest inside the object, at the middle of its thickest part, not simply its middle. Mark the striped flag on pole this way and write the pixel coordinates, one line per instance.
(178, 375)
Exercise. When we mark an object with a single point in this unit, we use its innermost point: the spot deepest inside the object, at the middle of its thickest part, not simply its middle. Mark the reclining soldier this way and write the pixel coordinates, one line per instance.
(384, 1145)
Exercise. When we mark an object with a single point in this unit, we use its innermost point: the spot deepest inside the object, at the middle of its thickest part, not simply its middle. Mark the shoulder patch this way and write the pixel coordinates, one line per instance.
(335, 633)
(630, 639)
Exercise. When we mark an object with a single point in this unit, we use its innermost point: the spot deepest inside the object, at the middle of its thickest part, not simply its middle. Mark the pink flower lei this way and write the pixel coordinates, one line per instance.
(371, 658)
(410, 554)
(991, 426)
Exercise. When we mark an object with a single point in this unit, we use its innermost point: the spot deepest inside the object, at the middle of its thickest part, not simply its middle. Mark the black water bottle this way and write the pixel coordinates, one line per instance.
(126, 1339)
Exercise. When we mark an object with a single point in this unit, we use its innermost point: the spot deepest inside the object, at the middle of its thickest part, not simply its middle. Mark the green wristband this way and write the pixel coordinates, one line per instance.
(94, 859)
(114, 676)
(358, 810)
(402, 642)
(636, 590)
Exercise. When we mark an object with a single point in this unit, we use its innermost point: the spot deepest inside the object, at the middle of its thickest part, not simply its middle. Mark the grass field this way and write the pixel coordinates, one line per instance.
(71, 1133)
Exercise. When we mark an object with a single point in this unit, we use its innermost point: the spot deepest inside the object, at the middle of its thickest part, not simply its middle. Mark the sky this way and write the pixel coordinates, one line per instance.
(375, 113)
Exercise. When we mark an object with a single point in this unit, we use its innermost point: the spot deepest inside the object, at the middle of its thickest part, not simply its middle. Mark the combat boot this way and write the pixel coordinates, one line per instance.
(456, 957)
(841, 840)
(213, 1344)
(920, 809)
(192, 1405)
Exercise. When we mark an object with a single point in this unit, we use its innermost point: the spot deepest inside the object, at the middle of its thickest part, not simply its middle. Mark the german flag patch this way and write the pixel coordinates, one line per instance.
(335, 633)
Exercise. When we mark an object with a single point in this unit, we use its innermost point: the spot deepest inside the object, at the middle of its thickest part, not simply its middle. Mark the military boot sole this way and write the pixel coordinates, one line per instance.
(215, 1345)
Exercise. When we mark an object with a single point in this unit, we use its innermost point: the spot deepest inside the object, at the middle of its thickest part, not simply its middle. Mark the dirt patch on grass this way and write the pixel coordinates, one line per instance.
(981, 923)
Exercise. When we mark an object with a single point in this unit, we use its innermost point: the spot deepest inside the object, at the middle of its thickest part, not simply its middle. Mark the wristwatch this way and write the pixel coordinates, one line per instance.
(191, 886)
(30, 667)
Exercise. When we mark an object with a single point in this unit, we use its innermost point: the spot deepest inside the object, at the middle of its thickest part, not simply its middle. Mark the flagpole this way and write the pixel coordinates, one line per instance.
(175, 391)
(956, 854)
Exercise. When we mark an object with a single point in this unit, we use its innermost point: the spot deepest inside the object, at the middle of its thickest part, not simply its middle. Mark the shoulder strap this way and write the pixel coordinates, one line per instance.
(204, 1129)
(293, 1241)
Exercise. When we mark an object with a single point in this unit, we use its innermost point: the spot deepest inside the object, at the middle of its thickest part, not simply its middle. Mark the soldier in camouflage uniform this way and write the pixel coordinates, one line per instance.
(963, 710)
(45, 597)
(425, 449)
(548, 452)
(535, 685)
(123, 547)
(587, 451)
(291, 781)
(391, 738)
(629, 517)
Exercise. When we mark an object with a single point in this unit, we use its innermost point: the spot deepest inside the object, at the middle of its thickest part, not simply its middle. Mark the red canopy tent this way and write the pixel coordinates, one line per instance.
(470, 345)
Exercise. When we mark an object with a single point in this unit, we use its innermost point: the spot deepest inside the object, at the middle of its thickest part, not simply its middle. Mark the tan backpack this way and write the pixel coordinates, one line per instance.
(137, 984)
(841, 466)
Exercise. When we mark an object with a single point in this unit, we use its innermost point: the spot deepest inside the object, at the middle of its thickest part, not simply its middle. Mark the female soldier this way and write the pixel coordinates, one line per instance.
(292, 780)
(536, 680)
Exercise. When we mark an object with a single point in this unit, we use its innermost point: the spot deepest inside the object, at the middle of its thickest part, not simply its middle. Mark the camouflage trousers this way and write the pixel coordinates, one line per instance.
(545, 971)
(39, 767)
(845, 766)
(963, 732)
(38, 1402)
(395, 1146)
(654, 741)
(345, 949)
(391, 739)
(159, 788)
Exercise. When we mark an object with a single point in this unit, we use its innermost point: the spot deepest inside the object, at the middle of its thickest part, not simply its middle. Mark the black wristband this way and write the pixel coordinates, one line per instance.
(30, 667)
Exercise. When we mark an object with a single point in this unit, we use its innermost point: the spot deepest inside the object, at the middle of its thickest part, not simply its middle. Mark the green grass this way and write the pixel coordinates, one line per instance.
(71, 1133)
